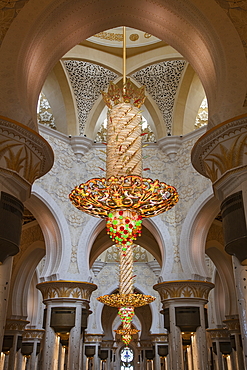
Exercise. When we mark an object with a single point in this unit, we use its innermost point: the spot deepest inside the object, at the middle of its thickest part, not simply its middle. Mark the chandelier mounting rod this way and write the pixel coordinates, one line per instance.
(124, 57)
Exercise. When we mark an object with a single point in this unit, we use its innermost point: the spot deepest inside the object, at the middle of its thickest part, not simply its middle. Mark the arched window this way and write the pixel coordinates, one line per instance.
(127, 356)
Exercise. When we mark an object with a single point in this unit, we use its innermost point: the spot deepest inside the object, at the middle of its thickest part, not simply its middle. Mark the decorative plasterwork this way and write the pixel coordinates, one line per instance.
(219, 333)
(23, 152)
(66, 289)
(15, 325)
(44, 114)
(87, 80)
(114, 38)
(33, 334)
(161, 81)
(184, 289)
(221, 152)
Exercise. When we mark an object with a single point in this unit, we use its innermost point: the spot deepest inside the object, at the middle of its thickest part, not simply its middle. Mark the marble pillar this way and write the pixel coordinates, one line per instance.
(222, 346)
(179, 296)
(74, 296)
(160, 344)
(94, 340)
(15, 329)
(233, 326)
(33, 336)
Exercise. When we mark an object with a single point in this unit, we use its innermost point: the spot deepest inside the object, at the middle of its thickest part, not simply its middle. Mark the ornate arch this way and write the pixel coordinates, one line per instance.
(55, 230)
(194, 233)
(43, 32)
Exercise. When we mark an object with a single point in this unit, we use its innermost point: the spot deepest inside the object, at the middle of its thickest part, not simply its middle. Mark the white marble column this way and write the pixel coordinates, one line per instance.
(190, 358)
(15, 328)
(34, 336)
(64, 294)
(74, 353)
(240, 275)
(219, 335)
(159, 340)
(2, 358)
(5, 277)
(201, 345)
(187, 293)
(50, 342)
(62, 351)
(20, 359)
(95, 340)
(13, 353)
(233, 326)
(239, 353)
(175, 340)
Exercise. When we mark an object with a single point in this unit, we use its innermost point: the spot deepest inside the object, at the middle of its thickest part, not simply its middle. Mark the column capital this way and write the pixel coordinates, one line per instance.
(63, 289)
(184, 289)
(232, 323)
(159, 338)
(107, 344)
(33, 334)
(93, 338)
(13, 326)
(219, 333)
(220, 154)
(24, 156)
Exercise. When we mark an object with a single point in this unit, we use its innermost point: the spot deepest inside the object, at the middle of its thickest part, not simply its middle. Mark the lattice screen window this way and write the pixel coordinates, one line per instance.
(161, 81)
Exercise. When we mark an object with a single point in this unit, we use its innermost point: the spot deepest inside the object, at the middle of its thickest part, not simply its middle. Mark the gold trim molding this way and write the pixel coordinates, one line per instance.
(66, 289)
(219, 333)
(23, 152)
(33, 334)
(94, 338)
(222, 150)
(159, 338)
(232, 325)
(184, 289)
(15, 325)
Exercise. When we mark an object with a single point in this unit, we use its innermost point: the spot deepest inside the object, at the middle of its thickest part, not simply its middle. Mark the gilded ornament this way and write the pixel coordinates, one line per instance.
(23, 151)
(184, 289)
(134, 37)
(66, 289)
(110, 36)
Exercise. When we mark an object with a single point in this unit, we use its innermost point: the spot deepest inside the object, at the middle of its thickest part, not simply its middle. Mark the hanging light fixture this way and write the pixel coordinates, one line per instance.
(124, 197)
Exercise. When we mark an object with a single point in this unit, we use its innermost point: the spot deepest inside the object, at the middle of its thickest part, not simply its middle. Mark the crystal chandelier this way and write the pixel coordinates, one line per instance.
(124, 197)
